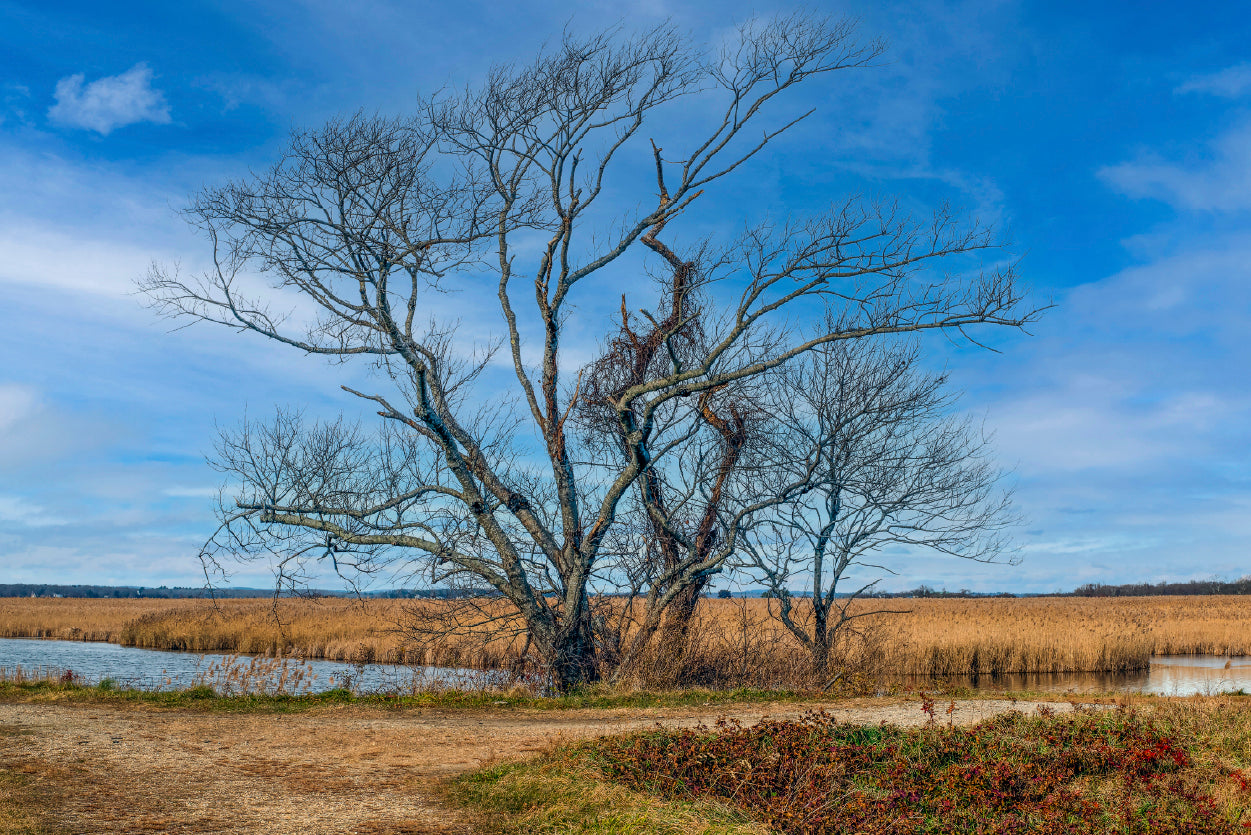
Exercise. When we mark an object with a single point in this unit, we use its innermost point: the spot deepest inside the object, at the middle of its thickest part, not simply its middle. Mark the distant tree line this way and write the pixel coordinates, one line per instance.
(926, 591)
(1192, 587)
(1240, 586)
(181, 592)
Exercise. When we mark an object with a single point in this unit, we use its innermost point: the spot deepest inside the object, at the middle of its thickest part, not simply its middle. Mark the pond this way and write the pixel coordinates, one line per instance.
(151, 669)
(1173, 675)
(1169, 675)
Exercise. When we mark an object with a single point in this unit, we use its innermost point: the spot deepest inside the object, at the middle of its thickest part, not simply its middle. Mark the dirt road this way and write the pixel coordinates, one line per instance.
(351, 769)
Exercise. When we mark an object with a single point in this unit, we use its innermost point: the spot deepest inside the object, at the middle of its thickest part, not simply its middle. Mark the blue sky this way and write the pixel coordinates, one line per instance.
(1112, 146)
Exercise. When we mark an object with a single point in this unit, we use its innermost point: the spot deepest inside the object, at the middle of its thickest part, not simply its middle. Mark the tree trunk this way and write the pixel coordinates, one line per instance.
(572, 655)
(677, 624)
(820, 646)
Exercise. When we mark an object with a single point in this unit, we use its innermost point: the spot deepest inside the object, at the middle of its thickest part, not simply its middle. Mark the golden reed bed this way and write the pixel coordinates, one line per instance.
(934, 638)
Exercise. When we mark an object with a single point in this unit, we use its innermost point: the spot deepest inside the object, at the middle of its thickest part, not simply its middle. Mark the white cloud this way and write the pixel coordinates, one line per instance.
(1230, 82)
(13, 101)
(16, 403)
(1220, 182)
(16, 510)
(1084, 545)
(110, 102)
(1087, 425)
(1135, 372)
(192, 492)
(53, 258)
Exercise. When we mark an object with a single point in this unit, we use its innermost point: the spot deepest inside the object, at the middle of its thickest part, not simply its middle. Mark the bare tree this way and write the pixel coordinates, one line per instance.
(480, 476)
(869, 456)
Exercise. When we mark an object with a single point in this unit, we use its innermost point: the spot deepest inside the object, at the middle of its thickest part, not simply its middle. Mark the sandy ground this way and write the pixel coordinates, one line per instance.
(332, 770)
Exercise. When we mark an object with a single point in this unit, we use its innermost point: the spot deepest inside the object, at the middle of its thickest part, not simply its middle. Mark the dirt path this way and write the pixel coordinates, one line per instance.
(333, 770)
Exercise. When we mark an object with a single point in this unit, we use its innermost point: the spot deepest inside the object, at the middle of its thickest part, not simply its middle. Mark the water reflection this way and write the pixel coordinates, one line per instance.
(1170, 675)
(150, 669)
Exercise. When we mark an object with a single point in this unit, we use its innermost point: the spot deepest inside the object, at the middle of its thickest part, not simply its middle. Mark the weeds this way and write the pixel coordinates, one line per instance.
(1112, 772)
(23, 685)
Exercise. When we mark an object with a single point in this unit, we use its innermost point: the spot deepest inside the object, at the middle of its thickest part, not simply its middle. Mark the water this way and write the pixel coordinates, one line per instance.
(1169, 675)
(151, 669)
(1173, 675)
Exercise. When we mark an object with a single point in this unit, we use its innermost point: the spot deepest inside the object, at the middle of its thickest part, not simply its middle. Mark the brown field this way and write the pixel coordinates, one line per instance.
(934, 637)
(103, 768)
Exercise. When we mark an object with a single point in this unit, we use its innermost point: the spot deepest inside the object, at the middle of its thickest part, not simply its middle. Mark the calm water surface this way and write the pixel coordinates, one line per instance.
(1173, 675)
(157, 669)
(1170, 675)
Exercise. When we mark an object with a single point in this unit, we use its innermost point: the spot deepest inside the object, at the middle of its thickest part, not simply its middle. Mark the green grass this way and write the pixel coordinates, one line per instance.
(205, 698)
(557, 797)
(600, 697)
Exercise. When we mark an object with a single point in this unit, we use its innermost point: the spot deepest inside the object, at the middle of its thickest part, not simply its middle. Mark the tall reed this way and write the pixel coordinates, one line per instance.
(932, 637)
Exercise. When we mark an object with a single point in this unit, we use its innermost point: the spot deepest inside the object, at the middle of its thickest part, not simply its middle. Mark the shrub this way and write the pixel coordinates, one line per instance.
(1113, 772)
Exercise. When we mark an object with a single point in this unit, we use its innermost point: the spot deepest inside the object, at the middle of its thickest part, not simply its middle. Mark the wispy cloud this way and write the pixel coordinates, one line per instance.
(1088, 426)
(83, 263)
(1230, 82)
(1220, 181)
(13, 101)
(16, 403)
(109, 103)
(19, 511)
(192, 492)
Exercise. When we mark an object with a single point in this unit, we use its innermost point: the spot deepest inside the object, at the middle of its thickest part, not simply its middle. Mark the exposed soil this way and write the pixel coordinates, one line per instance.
(348, 769)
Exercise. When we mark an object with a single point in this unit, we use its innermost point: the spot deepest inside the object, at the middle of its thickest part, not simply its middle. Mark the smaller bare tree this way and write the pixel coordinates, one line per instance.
(869, 456)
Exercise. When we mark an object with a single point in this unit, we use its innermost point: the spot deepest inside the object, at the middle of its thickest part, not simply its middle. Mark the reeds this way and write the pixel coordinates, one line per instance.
(234, 675)
(933, 637)
(38, 675)
(73, 619)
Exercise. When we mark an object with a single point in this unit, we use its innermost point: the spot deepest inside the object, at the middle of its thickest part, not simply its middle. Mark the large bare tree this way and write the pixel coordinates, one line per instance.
(518, 184)
(869, 455)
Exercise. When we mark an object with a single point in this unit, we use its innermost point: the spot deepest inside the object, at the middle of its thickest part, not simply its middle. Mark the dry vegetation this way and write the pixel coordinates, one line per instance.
(1206, 791)
(734, 641)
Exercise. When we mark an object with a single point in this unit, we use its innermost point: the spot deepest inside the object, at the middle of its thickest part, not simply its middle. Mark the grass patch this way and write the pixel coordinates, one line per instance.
(204, 698)
(560, 796)
(18, 800)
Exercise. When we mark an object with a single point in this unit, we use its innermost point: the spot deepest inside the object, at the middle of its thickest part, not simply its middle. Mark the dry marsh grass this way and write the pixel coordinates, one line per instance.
(334, 629)
(733, 639)
(72, 619)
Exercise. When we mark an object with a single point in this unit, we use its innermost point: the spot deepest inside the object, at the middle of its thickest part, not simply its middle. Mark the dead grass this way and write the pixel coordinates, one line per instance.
(17, 804)
(21, 797)
(73, 619)
(734, 640)
(324, 628)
